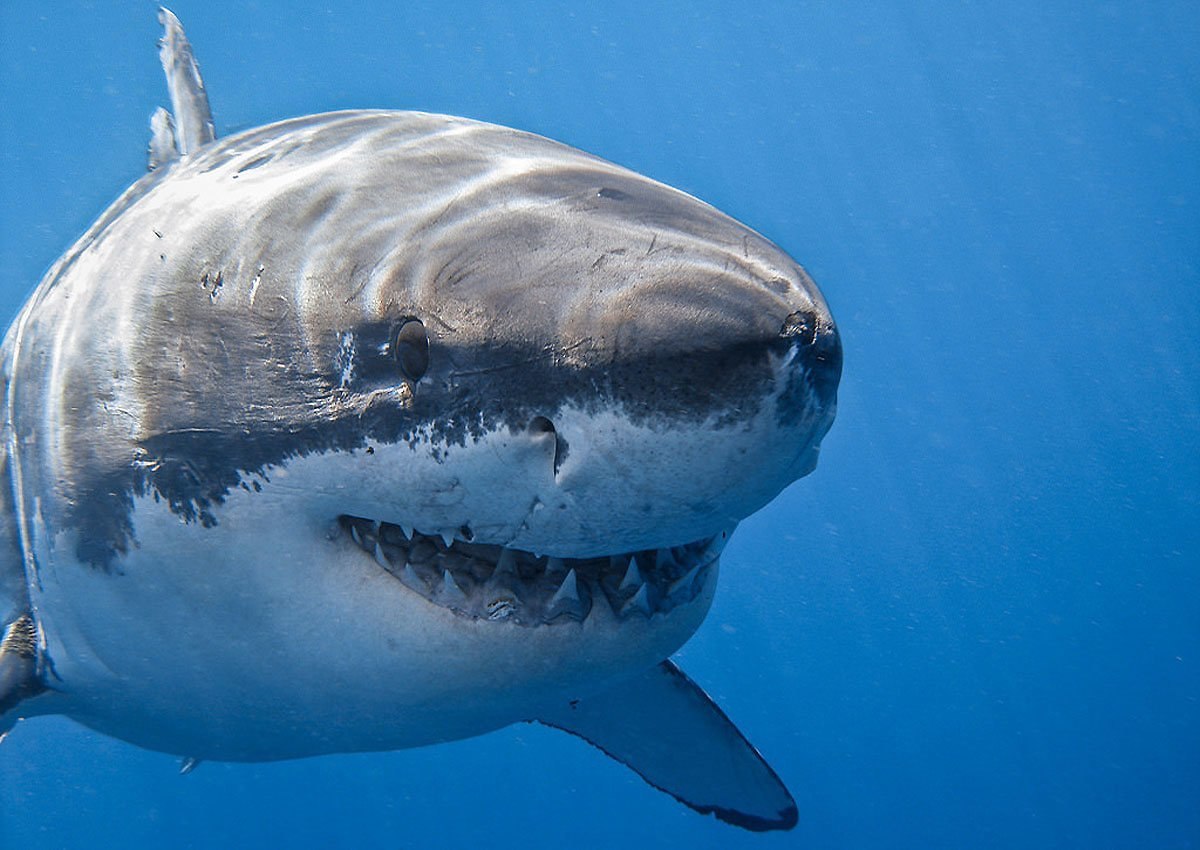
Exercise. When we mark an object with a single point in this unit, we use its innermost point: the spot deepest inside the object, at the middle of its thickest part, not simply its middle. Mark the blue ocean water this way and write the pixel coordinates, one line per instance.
(978, 623)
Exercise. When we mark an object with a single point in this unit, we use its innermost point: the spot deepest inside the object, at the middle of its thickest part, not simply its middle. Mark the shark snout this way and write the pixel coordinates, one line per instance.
(816, 351)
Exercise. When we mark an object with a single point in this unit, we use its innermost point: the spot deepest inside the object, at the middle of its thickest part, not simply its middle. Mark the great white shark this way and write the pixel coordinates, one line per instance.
(372, 429)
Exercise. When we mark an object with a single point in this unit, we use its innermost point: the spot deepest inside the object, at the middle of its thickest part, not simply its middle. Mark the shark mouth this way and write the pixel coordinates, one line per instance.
(489, 582)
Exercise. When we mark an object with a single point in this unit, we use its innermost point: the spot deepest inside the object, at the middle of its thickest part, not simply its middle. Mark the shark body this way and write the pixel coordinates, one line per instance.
(371, 430)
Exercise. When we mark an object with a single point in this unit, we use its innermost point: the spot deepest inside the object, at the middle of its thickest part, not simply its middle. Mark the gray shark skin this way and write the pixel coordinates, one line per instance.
(371, 430)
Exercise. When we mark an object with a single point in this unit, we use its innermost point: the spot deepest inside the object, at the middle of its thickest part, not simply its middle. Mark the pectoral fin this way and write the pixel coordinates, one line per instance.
(664, 727)
(18, 668)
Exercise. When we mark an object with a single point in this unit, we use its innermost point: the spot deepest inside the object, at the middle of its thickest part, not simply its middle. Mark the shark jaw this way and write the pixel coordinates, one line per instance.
(500, 584)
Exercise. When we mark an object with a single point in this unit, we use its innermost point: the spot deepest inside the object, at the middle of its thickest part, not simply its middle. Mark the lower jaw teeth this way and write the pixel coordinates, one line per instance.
(508, 585)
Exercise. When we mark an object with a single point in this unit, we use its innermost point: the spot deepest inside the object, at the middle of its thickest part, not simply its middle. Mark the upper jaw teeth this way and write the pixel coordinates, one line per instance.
(488, 582)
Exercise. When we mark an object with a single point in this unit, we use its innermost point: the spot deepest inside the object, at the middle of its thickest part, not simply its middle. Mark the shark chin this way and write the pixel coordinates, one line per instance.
(371, 430)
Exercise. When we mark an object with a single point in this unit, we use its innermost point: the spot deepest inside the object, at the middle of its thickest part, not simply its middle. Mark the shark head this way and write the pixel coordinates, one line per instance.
(579, 363)
(589, 379)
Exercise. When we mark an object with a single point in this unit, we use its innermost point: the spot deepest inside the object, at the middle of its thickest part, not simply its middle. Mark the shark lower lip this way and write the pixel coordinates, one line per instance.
(499, 584)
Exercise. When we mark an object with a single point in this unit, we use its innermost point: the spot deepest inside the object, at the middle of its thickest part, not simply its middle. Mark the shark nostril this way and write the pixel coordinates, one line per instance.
(801, 326)
(542, 425)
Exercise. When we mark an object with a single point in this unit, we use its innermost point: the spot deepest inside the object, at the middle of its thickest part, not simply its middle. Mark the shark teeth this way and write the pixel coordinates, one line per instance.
(410, 578)
(500, 584)
(632, 578)
(451, 592)
(683, 586)
(504, 579)
(639, 603)
(568, 600)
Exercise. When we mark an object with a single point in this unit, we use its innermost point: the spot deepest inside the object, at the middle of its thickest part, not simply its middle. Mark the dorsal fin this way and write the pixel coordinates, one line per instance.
(162, 138)
(189, 102)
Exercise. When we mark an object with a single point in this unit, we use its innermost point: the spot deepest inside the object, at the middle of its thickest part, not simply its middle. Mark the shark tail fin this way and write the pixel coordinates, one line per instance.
(18, 669)
(192, 126)
(665, 728)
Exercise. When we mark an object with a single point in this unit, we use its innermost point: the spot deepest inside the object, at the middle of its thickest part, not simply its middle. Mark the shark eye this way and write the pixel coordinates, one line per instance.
(412, 349)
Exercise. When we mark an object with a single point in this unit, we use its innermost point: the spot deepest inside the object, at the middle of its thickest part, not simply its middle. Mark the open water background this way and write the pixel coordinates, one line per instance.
(978, 623)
